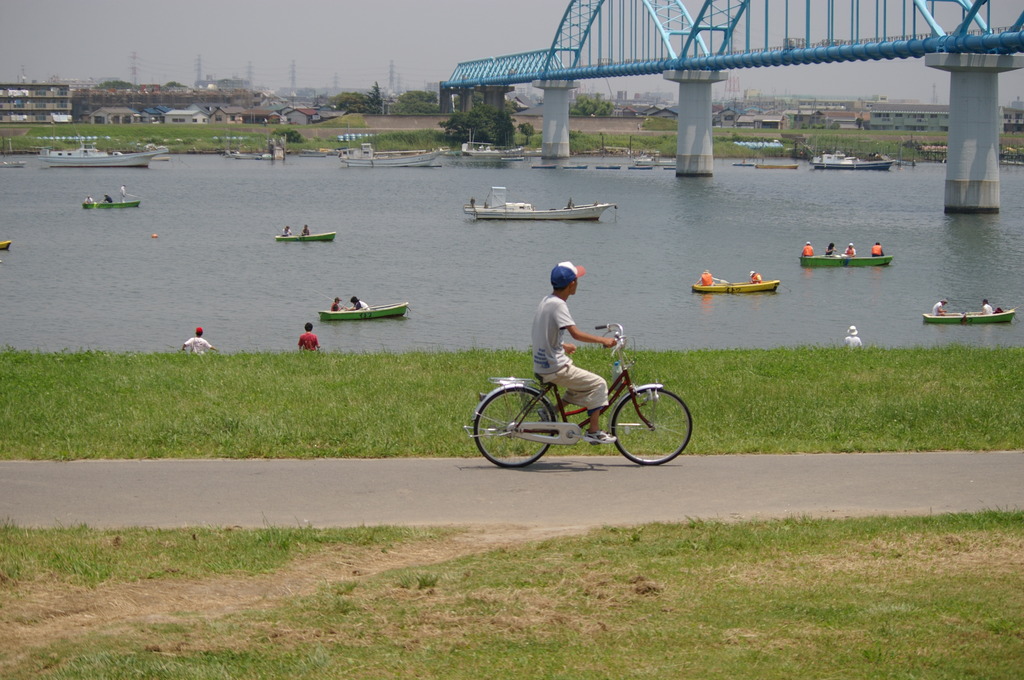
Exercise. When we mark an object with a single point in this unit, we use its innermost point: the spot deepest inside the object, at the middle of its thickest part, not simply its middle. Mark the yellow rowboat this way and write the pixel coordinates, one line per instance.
(726, 287)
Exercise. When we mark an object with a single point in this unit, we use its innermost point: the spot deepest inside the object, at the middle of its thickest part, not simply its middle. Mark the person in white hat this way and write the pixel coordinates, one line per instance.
(853, 338)
(755, 277)
(850, 251)
(551, 356)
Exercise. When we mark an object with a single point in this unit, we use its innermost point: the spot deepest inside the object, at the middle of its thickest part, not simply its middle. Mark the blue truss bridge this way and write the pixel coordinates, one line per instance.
(694, 43)
(615, 38)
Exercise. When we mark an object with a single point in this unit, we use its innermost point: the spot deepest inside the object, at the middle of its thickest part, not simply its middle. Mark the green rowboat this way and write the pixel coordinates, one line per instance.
(107, 206)
(843, 261)
(326, 236)
(396, 309)
(970, 317)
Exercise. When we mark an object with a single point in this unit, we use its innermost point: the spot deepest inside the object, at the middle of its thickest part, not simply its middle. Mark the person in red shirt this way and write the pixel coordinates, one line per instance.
(308, 340)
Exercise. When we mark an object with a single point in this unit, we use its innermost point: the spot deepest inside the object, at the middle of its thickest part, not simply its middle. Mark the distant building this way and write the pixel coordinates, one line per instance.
(910, 117)
(115, 115)
(186, 116)
(1013, 119)
(35, 103)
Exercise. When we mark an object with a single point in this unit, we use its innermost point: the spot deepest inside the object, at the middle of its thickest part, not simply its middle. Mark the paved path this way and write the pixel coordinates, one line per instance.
(556, 492)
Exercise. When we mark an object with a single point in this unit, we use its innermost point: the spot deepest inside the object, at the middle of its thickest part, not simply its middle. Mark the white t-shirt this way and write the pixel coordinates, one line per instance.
(197, 345)
(937, 309)
(853, 341)
(549, 324)
(986, 308)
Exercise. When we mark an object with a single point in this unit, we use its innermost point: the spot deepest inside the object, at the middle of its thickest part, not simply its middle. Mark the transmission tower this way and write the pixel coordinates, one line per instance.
(199, 69)
(293, 77)
(391, 77)
(135, 69)
(248, 75)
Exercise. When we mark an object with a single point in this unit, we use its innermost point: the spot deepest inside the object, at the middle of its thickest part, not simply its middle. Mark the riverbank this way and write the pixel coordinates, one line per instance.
(87, 405)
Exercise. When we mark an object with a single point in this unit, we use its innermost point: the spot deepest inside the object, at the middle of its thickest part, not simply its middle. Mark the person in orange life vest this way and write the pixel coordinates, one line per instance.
(706, 279)
(876, 250)
(808, 250)
(850, 251)
(755, 277)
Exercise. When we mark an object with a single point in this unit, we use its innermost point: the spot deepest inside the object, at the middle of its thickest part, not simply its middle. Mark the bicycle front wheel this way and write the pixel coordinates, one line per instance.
(510, 406)
(652, 427)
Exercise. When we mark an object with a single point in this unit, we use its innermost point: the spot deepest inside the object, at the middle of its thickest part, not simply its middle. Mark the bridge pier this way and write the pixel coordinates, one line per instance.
(972, 159)
(694, 149)
(465, 95)
(555, 128)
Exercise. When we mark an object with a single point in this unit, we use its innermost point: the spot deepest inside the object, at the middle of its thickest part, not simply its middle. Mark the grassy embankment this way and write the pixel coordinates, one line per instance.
(291, 405)
(210, 139)
(882, 598)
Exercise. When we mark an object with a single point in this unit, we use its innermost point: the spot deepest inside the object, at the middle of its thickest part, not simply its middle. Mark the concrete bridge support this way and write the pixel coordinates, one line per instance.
(555, 132)
(972, 160)
(694, 148)
(494, 95)
(464, 95)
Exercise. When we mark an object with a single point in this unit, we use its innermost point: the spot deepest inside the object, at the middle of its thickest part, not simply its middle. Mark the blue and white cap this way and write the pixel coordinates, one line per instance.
(565, 273)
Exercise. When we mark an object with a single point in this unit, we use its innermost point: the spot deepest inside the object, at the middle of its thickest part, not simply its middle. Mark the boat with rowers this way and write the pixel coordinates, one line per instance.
(324, 236)
(371, 312)
(720, 286)
(844, 261)
(971, 317)
(106, 205)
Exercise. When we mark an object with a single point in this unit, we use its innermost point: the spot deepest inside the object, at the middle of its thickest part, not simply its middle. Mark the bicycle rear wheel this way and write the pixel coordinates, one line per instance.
(666, 436)
(497, 413)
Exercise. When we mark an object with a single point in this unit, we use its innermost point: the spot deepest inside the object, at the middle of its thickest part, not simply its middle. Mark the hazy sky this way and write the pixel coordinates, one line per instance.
(354, 43)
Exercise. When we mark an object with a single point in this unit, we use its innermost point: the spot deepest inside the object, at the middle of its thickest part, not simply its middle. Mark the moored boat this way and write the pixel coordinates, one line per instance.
(776, 166)
(743, 287)
(970, 317)
(481, 150)
(88, 156)
(366, 157)
(325, 236)
(373, 312)
(496, 207)
(103, 205)
(844, 261)
(840, 161)
(5, 245)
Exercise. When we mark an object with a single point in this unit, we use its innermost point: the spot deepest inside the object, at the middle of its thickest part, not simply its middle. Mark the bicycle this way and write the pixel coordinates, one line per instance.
(515, 423)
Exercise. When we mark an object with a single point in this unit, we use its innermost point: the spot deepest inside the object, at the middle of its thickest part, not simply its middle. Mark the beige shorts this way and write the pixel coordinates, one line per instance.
(583, 388)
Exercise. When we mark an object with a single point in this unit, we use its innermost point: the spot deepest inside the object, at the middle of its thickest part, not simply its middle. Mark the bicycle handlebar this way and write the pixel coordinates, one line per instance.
(617, 333)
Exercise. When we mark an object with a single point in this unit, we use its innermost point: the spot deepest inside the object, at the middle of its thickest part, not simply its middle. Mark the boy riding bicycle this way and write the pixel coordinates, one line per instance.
(551, 361)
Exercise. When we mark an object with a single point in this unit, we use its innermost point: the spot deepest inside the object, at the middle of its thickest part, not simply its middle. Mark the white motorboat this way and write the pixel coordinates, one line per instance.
(88, 156)
(840, 161)
(366, 157)
(496, 207)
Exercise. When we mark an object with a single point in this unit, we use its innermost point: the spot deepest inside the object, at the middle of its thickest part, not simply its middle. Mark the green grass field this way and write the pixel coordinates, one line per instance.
(61, 406)
(881, 598)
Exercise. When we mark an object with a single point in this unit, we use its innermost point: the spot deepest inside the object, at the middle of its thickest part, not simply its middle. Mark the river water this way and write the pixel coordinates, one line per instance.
(98, 279)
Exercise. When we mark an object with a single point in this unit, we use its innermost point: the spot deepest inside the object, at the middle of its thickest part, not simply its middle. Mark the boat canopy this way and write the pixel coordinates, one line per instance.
(496, 197)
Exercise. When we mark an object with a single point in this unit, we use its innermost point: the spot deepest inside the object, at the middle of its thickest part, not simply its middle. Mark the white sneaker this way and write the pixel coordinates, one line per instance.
(599, 437)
